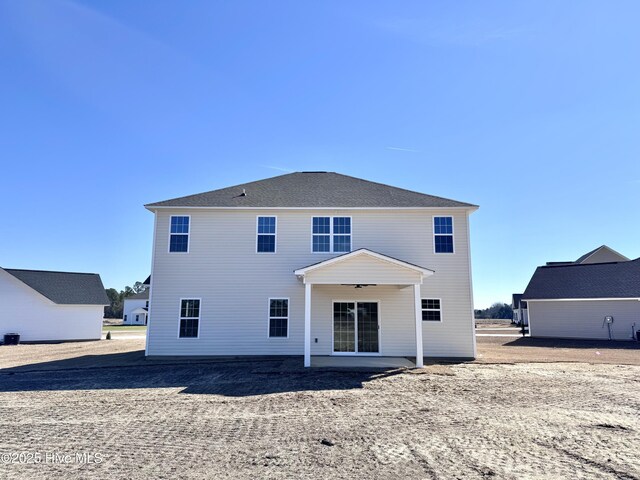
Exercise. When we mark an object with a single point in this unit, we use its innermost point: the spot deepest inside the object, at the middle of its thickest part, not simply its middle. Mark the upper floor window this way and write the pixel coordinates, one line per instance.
(266, 242)
(179, 234)
(331, 234)
(443, 234)
(189, 318)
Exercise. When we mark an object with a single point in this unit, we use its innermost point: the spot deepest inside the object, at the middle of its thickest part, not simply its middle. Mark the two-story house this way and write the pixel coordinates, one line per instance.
(312, 264)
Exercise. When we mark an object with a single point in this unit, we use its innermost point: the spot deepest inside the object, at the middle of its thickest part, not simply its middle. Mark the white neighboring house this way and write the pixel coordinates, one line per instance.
(135, 310)
(520, 312)
(51, 306)
(596, 297)
(312, 264)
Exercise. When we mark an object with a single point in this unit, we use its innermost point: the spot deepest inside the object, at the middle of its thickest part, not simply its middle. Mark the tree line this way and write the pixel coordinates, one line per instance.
(114, 310)
(497, 310)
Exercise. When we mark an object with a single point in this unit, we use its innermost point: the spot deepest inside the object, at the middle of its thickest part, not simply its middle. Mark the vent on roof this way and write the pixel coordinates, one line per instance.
(244, 193)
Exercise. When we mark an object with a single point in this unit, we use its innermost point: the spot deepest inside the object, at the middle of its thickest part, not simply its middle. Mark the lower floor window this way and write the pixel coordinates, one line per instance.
(431, 311)
(278, 317)
(189, 318)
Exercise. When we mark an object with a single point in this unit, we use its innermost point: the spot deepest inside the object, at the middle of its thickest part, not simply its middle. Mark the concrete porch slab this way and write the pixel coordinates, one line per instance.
(356, 361)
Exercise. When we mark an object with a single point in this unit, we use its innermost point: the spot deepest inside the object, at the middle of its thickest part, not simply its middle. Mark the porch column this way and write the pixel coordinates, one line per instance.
(307, 324)
(418, 314)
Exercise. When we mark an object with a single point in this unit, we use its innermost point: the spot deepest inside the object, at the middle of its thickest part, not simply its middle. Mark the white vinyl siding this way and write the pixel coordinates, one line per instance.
(354, 270)
(226, 277)
(583, 319)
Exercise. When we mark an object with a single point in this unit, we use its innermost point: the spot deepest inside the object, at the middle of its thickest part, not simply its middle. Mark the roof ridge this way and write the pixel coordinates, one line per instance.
(586, 264)
(46, 271)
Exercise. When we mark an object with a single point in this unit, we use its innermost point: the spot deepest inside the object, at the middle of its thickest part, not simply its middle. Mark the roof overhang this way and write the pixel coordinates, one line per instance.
(363, 267)
(153, 208)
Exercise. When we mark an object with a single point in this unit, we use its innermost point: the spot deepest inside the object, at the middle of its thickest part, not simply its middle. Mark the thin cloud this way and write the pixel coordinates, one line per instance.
(279, 169)
(400, 149)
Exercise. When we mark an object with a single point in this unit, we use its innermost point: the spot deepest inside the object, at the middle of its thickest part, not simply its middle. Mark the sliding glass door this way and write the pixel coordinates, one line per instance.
(355, 327)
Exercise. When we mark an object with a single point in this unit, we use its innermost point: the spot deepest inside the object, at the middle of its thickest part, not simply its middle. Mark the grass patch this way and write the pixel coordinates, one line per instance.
(124, 328)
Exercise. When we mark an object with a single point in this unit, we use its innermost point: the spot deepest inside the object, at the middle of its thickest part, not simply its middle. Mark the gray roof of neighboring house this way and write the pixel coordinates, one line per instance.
(312, 190)
(592, 280)
(517, 301)
(144, 295)
(64, 288)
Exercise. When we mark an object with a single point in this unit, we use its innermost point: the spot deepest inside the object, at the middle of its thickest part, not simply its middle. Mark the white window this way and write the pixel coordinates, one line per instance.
(331, 234)
(266, 235)
(179, 234)
(443, 234)
(431, 310)
(189, 318)
(278, 317)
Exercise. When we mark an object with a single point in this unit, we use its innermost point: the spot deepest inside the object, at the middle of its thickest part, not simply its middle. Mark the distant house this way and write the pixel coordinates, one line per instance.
(51, 306)
(595, 297)
(602, 254)
(136, 309)
(520, 312)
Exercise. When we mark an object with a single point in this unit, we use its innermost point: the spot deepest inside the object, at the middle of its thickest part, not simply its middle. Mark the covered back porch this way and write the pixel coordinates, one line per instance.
(363, 304)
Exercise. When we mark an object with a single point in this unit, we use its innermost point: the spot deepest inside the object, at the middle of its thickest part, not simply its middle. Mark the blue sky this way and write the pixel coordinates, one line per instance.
(529, 109)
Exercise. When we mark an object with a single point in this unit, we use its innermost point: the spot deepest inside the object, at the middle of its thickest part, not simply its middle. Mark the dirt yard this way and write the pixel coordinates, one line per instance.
(269, 419)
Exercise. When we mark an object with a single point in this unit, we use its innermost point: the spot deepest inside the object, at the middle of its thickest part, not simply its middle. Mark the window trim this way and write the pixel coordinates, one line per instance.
(275, 234)
(452, 234)
(269, 317)
(432, 310)
(180, 317)
(188, 234)
(331, 234)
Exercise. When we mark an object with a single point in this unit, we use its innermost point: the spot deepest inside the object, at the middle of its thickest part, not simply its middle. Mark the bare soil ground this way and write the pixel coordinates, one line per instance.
(268, 419)
(493, 322)
(528, 350)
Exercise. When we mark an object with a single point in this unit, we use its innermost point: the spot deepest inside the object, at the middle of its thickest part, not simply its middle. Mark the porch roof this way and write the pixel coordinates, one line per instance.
(363, 266)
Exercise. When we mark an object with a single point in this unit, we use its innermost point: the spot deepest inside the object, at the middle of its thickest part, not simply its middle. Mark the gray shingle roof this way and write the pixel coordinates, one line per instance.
(312, 190)
(594, 280)
(517, 300)
(144, 295)
(64, 288)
